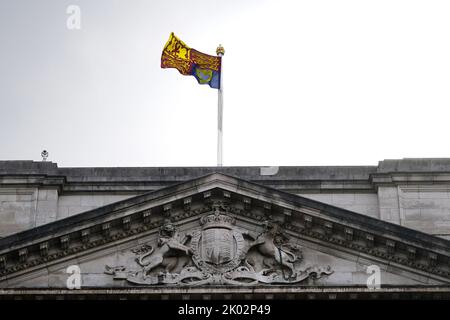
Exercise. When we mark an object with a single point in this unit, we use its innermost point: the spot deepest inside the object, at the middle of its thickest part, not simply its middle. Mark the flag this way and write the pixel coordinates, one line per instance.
(205, 68)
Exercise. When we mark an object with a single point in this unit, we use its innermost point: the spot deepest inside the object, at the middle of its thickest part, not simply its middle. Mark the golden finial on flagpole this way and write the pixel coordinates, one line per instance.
(220, 51)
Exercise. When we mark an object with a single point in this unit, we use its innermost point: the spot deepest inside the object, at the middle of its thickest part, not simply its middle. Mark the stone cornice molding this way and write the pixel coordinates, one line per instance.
(409, 178)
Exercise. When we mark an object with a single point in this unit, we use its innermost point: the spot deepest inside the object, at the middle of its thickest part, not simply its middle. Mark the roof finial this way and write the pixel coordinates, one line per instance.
(44, 155)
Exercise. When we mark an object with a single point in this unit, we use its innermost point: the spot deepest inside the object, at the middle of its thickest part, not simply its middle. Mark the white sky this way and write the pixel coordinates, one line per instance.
(306, 82)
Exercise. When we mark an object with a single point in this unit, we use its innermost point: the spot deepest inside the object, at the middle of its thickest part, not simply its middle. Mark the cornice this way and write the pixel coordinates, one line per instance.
(409, 178)
(228, 293)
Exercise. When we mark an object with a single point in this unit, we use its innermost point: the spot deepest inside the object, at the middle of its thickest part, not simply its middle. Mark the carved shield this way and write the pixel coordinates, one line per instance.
(217, 246)
(217, 250)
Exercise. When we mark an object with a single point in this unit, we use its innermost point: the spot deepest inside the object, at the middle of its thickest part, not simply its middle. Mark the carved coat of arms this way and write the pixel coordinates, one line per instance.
(217, 247)
(218, 253)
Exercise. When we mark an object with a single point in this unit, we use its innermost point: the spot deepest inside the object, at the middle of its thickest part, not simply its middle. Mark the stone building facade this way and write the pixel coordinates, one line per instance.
(226, 232)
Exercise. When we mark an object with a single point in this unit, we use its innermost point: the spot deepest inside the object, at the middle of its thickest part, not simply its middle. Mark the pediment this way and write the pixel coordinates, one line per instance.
(220, 230)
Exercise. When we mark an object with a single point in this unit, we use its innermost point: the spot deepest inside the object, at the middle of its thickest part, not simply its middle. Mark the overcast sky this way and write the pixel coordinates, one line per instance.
(305, 82)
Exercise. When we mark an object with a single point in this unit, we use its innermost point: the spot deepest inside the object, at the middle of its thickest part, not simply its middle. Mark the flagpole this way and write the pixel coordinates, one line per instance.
(220, 51)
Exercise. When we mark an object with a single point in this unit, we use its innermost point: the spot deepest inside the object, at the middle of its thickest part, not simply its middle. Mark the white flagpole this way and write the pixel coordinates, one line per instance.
(220, 52)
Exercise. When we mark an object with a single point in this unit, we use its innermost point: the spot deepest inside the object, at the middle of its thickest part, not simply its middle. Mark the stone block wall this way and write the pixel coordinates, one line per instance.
(17, 209)
(414, 193)
(69, 205)
(364, 203)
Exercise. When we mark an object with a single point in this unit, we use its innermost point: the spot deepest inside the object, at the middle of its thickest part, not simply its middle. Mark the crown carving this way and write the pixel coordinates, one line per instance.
(217, 219)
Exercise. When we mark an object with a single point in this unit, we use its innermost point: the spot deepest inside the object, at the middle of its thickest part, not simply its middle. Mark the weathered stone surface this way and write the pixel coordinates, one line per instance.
(69, 205)
(303, 227)
(365, 203)
(397, 191)
(232, 233)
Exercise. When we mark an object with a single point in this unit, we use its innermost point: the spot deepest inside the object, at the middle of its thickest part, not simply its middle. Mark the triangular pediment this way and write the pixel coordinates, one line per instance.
(218, 230)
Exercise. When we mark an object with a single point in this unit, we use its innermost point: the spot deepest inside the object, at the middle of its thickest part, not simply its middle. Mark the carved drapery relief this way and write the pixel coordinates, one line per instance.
(218, 252)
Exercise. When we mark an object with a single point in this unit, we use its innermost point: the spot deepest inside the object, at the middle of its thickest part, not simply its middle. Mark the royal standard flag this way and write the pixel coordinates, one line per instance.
(205, 68)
